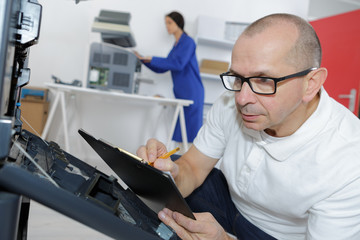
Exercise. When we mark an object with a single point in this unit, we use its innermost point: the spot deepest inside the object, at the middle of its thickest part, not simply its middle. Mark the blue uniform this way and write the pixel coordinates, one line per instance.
(184, 68)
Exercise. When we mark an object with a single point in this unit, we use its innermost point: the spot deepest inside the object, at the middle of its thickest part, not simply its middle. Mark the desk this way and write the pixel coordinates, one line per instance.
(60, 90)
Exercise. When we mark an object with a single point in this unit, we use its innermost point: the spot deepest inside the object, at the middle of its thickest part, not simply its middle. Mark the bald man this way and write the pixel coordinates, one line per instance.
(287, 155)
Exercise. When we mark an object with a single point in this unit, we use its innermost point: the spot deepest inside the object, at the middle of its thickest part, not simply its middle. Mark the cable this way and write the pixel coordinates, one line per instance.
(22, 118)
(35, 163)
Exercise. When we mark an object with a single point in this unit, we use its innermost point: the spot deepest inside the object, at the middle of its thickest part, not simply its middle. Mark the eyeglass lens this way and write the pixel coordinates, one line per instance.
(259, 85)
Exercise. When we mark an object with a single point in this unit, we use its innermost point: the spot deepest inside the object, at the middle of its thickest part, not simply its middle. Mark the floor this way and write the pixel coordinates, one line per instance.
(45, 223)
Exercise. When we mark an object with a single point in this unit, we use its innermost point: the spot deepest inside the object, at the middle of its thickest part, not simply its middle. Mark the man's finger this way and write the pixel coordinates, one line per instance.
(187, 223)
(142, 153)
(151, 147)
(166, 217)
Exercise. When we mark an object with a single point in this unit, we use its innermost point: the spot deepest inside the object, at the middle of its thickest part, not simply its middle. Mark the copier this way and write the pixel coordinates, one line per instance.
(35, 169)
(112, 64)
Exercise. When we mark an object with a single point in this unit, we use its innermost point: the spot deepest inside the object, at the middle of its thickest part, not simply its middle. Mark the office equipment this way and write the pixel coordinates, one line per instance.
(19, 29)
(112, 67)
(75, 82)
(155, 187)
(83, 192)
(114, 28)
(34, 169)
(7, 52)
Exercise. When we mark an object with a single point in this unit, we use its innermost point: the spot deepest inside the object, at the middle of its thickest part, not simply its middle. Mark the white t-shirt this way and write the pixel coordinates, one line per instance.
(303, 186)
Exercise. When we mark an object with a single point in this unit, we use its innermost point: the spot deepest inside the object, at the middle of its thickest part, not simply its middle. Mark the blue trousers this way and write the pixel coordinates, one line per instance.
(213, 196)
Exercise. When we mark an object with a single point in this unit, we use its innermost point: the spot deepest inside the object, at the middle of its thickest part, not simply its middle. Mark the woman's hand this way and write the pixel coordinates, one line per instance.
(204, 227)
(151, 153)
(142, 58)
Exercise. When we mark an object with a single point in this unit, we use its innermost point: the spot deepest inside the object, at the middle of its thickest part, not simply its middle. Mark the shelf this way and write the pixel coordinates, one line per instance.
(215, 43)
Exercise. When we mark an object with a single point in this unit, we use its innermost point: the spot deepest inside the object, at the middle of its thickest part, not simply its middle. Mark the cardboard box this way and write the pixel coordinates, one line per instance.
(34, 109)
(35, 94)
(213, 67)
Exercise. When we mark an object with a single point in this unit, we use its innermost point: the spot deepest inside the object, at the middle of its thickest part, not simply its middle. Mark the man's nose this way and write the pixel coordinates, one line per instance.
(245, 95)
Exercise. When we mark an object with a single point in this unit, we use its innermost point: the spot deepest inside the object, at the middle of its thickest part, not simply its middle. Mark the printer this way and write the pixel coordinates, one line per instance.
(34, 169)
(111, 64)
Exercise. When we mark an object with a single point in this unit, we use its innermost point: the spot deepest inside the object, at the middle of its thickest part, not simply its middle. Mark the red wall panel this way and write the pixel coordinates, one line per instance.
(340, 39)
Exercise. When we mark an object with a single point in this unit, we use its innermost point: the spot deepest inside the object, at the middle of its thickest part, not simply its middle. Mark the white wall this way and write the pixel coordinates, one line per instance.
(66, 29)
(66, 36)
(325, 8)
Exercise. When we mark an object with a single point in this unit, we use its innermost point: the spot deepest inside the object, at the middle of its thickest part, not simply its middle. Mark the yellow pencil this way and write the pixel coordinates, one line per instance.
(167, 155)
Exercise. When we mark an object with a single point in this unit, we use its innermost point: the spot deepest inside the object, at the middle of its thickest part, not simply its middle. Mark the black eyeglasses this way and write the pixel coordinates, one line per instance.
(259, 85)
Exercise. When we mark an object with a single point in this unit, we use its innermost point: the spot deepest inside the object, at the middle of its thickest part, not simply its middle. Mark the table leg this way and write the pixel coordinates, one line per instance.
(183, 129)
(179, 114)
(173, 124)
(51, 115)
(59, 99)
(66, 132)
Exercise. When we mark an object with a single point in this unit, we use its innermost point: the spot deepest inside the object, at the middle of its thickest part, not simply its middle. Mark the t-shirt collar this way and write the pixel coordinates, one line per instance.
(282, 148)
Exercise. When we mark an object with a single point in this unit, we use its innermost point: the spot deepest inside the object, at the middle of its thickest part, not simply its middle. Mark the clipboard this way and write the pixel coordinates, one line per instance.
(156, 188)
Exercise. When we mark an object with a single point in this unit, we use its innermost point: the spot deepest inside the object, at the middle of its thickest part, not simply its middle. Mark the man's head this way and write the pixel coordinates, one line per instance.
(275, 46)
(306, 51)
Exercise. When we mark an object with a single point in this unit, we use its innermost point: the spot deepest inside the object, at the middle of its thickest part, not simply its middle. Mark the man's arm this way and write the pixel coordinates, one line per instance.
(194, 167)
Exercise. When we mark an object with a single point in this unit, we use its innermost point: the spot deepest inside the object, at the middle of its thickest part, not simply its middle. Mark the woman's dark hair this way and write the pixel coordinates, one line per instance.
(178, 19)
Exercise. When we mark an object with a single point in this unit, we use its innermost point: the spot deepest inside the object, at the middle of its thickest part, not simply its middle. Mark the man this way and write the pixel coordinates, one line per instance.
(290, 154)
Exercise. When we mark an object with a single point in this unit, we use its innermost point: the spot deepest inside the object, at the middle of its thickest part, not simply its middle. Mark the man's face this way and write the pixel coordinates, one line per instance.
(265, 54)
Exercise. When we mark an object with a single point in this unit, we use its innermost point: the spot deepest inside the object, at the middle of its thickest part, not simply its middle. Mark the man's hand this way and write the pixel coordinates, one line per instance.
(204, 227)
(151, 153)
(189, 171)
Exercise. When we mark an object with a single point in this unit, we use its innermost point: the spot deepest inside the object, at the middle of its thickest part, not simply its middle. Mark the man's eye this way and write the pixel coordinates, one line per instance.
(262, 80)
(266, 80)
(237, 79)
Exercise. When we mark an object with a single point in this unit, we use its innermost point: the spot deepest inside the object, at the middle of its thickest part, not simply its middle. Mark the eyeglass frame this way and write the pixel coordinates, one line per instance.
(276, 80)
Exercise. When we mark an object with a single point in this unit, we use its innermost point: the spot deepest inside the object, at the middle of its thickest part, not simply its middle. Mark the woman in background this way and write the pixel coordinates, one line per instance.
(184, 68)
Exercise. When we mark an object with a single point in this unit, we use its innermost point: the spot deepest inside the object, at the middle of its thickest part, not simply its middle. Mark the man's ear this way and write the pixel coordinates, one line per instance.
(314, 80)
